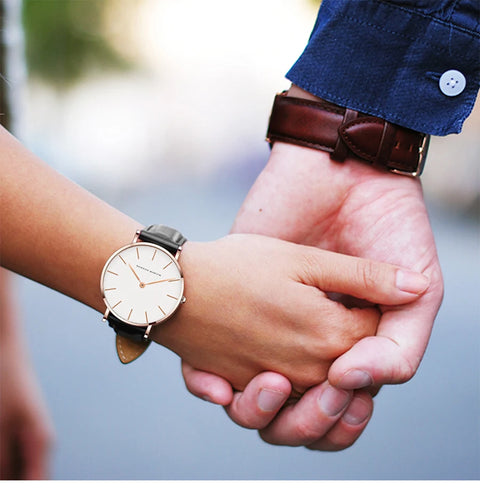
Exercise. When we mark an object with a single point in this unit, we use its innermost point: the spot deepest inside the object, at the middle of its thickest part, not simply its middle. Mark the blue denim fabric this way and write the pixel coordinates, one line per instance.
(385, 58)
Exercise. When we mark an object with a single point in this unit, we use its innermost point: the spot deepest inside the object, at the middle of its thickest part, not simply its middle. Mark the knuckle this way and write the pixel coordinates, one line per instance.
(338, 341)
(405, 366)
(405, 372)
(369, 274)
(271, 439)
(338, 446)
(252, 418)
(250, 421)
(245, 418)
(312, 265)
(310, 375)
(329, 446)
(305, 433)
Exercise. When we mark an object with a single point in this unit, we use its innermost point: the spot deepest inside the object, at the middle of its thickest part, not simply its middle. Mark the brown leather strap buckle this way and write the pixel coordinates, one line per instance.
(319, 124)
(422, 157)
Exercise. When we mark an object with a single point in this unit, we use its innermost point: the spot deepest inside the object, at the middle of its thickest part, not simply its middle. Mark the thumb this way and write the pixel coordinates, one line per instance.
(379, 283)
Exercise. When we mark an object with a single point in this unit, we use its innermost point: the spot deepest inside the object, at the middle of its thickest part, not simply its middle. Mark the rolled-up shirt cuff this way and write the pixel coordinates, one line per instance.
(387, 60)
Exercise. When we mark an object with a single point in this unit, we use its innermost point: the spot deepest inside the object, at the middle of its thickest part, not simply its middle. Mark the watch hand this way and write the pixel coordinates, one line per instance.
(164, 280)
(131, 268)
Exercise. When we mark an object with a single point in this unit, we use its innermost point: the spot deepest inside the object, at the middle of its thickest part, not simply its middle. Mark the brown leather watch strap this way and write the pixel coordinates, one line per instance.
(342, 132)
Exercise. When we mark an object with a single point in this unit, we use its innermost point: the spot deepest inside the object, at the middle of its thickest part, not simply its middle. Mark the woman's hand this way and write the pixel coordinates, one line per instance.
(259, 304)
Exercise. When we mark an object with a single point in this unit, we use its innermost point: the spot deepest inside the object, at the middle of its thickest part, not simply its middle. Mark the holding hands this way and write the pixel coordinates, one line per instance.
(261, 315)
(304, 197)
(280, 317)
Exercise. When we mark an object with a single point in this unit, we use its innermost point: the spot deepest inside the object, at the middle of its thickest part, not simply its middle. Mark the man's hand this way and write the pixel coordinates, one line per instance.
(304, 197)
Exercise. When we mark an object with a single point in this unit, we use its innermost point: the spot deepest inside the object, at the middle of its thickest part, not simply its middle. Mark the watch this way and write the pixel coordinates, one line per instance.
(142, 286)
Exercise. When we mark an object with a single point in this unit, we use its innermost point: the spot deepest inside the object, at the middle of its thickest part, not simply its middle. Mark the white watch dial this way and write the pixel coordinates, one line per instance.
(142, 284)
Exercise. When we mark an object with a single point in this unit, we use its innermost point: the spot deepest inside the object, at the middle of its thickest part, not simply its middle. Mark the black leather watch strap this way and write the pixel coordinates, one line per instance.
(134, 333)
(164, 236)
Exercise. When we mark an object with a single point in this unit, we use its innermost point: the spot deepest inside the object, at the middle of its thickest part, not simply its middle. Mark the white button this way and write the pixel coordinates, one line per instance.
(452, 83)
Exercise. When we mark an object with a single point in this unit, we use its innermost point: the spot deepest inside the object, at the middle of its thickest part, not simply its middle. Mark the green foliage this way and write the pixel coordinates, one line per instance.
(64, 38)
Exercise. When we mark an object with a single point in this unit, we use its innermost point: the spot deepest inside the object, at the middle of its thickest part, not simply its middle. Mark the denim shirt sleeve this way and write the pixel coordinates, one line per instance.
(385, 58)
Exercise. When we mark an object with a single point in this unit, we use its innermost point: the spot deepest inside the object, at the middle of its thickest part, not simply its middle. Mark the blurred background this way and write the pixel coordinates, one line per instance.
(160, 107)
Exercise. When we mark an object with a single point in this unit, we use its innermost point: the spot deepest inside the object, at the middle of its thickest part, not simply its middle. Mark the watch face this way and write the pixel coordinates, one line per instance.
(142, 284)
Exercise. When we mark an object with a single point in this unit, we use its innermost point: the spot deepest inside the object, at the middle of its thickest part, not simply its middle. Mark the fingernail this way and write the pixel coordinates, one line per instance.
(355, 379)
(411, 282)
(207, 398)
(357, 412)
(269, 400)
(333, 401)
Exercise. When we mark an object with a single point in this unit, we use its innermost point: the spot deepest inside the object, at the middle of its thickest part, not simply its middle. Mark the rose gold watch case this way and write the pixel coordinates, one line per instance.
(150, 324)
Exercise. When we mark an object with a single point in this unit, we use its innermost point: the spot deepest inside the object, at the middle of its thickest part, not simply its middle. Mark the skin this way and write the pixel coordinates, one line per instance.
(304, 197)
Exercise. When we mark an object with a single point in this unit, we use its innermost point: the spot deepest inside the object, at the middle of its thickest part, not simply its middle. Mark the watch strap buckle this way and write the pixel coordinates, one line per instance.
(386, 145)
(421, 159)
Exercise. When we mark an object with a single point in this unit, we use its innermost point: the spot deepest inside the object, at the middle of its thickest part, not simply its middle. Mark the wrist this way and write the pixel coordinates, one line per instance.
(302, 194)
(171, 334)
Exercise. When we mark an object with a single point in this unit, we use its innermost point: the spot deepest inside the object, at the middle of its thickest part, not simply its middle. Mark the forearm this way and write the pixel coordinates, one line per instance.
(52, 230)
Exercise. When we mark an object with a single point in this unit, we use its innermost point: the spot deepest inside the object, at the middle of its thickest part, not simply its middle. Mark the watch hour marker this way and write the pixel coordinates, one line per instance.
(113, 273)
(138, 254)
(154, 253)
(112, 288)
(121, 258)
(146, 316)
(113, 307)
(169, 263)
(163, 312)
(129, 314)
(171, 297)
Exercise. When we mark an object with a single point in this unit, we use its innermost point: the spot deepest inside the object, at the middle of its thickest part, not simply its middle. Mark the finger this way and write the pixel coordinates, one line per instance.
(309, 419)
(207, 386)
(391, 357)
(349, 427)
(377, 282)
(261, 400)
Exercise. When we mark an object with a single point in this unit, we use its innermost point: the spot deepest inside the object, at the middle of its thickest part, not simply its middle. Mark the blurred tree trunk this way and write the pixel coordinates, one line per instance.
(4, 105)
